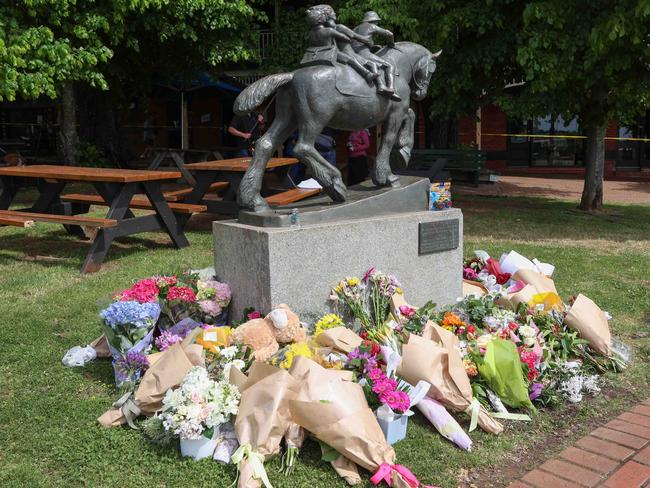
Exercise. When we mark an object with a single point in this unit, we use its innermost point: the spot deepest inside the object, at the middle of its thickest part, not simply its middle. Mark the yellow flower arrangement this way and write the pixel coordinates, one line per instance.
(293, 350)
(549, 301)
(328, 321)
(353, 281)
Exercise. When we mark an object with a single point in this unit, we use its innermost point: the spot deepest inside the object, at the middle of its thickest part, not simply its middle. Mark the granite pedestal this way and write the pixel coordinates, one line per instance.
(298, 265)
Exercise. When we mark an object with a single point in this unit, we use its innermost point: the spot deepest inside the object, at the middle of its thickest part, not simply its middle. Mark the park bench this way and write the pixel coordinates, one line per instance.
(231, 171)
(16, 221)
(292, 196)
(116, 188)
(139, 202)
(178, 195)
(17, 215)
(463, 164)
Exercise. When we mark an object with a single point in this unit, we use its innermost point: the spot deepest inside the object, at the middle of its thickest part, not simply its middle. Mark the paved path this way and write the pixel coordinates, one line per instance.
(563, 189)
(616, 455)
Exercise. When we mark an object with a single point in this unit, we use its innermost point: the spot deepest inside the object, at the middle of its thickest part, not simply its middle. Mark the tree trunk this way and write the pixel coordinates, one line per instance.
(592, 194)
(68, 137)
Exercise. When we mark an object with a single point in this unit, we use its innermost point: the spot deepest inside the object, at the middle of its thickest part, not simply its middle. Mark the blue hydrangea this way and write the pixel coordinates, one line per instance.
(141, 315)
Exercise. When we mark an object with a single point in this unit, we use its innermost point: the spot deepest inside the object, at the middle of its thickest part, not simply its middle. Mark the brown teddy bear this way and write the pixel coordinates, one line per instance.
(281, 325)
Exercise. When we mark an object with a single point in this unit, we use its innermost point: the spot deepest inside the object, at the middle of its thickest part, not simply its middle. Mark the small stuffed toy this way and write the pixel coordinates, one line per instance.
(281, 325)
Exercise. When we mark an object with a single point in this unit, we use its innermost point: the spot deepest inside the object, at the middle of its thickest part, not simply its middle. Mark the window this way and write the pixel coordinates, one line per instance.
(634, 154)
(560, 148)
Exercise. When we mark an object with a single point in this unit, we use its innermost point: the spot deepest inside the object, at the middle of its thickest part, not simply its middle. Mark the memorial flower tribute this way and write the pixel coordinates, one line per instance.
(352, 378)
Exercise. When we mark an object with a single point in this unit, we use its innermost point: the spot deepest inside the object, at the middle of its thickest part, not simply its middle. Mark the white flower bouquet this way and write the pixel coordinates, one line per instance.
(197, 408)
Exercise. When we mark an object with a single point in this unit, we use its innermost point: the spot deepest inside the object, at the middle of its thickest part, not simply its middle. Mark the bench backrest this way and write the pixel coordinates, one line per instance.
(456, 158)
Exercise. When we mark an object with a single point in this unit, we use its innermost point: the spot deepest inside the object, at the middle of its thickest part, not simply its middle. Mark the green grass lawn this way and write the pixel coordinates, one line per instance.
(48, 430)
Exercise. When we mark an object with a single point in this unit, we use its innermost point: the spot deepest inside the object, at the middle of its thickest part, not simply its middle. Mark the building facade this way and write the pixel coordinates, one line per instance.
(552, 146)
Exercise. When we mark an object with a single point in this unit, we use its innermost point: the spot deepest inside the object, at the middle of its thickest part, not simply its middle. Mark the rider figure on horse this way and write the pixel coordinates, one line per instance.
(369, 28)
(330, 42)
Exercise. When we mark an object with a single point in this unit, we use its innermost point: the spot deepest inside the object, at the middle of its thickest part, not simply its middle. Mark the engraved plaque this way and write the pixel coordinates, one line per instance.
(438, 236)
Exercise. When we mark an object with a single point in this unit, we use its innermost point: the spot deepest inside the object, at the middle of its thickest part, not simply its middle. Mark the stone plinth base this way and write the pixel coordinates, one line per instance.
(299, 265)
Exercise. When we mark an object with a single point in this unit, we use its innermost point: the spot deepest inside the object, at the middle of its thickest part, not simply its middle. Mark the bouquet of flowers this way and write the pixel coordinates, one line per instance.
(368, 300)
(165, 374)
(378, 387)
(128, 326)
(199, 405)
(326, 322)
(129, 368)
(285, 356)
(260, 432)
(341, 419)
(213, 299)
(221, 359)
(316, 383)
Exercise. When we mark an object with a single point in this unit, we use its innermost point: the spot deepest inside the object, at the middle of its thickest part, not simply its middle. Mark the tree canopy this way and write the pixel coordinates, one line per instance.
(584, 59)
(44, 43)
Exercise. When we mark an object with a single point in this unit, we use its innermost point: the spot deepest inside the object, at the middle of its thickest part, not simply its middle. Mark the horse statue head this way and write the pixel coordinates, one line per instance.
(422, 72)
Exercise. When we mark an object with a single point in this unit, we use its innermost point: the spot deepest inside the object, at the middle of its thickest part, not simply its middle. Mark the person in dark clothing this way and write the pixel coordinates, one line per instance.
(246, 128)
(358, 144)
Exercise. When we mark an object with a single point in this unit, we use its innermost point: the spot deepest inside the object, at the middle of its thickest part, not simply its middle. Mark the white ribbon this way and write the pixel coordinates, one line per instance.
(473, 409)
(256, 461)
(392, 358)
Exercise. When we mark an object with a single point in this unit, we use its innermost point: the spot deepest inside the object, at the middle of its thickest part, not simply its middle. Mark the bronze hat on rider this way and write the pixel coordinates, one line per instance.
(371, 16)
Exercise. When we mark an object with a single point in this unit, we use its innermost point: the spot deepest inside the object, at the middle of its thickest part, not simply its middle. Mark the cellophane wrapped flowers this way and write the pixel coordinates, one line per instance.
(199, 405)
(128, 322)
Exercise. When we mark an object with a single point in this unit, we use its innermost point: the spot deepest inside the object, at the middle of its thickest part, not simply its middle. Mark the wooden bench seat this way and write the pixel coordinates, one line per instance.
(16, 221)
(58, 219)
(177, 195)
(291, 196)
(139, 202)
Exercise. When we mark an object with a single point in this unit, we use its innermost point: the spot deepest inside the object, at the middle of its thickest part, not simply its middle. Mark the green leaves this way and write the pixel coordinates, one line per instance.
(46, 42)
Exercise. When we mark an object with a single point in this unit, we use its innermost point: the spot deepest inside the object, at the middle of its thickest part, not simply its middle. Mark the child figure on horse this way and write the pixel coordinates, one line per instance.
(330, 42)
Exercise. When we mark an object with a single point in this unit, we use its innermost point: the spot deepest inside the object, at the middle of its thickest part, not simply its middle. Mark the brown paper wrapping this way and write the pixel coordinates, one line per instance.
(512, 300)
(352, 430)
(340, 338)
(318, 383)
(166, 373)
(347, 470)
(100, 345)
(263, 416)
(591, 323)
(441, 365)
(542, 283)
(474, 288)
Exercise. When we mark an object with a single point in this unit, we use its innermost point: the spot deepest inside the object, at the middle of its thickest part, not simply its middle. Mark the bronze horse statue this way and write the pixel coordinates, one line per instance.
(314, 97)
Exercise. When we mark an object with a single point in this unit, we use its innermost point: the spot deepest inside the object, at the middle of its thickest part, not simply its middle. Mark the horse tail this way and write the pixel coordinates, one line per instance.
(254, 95)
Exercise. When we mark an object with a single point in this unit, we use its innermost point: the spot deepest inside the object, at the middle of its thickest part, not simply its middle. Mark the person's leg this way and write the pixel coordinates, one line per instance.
(357, 170)
(243, 152)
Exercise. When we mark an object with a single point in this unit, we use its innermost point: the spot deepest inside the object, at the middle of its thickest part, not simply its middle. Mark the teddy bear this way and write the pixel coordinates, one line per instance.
(280, 326)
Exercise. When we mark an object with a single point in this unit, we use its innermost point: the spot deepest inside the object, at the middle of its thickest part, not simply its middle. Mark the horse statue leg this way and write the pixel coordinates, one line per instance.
(327, 175)
(405, 138)
(382, 175)
(248, 195)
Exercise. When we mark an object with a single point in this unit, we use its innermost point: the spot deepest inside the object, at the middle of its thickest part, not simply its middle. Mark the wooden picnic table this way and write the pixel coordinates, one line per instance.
(117, 188)
(231, 171)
